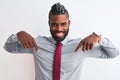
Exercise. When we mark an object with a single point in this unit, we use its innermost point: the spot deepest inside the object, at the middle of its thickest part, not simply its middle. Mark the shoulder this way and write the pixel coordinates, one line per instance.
(75, 41)
(42, 39)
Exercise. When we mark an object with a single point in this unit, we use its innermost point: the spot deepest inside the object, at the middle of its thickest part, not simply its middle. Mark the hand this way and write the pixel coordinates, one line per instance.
(89, 42)
(27, 40)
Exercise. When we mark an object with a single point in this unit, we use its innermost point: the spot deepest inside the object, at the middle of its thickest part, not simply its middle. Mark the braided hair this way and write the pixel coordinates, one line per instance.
(58, 9)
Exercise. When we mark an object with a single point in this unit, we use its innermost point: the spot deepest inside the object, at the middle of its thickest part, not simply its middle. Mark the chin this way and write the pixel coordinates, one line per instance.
(59, 38)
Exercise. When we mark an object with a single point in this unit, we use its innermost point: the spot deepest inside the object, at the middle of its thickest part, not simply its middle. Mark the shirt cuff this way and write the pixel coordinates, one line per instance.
(102, 41)
(13, 38)
(105, 42)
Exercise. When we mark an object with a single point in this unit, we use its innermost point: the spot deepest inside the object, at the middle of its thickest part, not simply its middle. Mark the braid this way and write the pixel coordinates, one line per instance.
(58, 9)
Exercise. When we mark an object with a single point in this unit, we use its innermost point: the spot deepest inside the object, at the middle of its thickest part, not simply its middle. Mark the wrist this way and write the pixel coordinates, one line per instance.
(98, 36)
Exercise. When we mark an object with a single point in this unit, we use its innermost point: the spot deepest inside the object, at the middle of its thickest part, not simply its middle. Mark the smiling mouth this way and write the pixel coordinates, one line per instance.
(59, 34)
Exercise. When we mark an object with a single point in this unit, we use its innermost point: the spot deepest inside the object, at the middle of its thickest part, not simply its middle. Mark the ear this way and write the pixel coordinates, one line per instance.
(49, 22)
(69, 22)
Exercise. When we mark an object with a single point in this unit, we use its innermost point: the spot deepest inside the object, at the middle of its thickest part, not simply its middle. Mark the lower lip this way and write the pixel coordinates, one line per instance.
(59, 34)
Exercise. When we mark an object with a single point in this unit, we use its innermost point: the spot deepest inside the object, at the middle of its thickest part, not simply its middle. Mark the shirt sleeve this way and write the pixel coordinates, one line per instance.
(104, 49)
(13, 45)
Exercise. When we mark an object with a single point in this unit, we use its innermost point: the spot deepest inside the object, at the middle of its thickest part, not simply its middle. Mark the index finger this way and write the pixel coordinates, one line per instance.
(36, 47)
(78, 47)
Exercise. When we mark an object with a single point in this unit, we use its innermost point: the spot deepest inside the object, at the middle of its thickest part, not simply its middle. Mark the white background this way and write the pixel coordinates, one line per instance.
(87, 16)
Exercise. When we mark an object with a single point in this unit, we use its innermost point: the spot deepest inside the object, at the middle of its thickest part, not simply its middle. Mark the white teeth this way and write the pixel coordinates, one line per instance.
(59, 34)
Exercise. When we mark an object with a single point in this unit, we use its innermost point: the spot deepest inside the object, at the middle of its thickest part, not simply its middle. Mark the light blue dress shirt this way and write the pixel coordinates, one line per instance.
(71, 63)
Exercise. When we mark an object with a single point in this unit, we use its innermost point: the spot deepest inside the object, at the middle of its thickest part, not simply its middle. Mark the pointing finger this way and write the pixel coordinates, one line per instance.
(78, 47)
(36, 47)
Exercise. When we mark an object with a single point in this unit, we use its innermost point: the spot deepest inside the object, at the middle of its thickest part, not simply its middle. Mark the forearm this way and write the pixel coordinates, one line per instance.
(108, 48)
(13, 45)
(104, 49)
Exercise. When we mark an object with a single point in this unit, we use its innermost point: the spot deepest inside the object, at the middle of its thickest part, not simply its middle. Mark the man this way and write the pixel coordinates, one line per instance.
(74, 51)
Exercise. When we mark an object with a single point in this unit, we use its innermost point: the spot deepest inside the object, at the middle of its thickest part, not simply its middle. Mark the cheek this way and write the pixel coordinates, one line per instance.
(62, 28)
(66, 28)
(52, 28)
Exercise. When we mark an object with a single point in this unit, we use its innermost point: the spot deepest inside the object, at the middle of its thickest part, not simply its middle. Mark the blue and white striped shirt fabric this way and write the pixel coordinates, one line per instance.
(71, 63)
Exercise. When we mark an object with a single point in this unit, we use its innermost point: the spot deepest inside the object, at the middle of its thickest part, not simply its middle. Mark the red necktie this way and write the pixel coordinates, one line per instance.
(57, 62)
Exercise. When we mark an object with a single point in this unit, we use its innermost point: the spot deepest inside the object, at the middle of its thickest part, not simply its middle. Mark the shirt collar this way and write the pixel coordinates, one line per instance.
(63, 42)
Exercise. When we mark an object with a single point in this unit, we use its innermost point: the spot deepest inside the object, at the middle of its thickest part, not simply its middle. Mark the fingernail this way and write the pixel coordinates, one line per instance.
(74, 51)
(38, 50)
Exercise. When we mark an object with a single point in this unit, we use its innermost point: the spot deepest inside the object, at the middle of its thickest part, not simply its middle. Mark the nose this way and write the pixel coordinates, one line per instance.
(59, 28)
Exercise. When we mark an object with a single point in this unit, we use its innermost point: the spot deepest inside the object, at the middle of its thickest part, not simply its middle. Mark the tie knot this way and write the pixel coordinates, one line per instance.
(59, 43)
